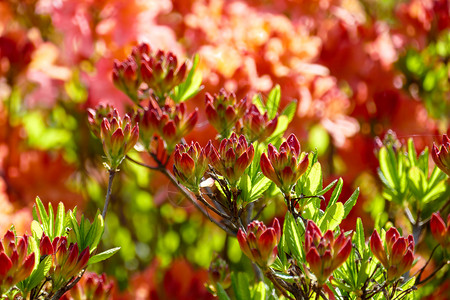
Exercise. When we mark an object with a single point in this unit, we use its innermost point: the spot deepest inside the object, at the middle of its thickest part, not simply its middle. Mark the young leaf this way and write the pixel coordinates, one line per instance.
(221, 293)
(257, 100)
(51, 219)
(259, 291)
(42, 214)
(348, 205)
(327, 188)
(102, 256)
(336, 193)
(191, 86)
(314, 180)
(60, 220)
(293, 237)
(289, 110)
(333, 217)
(241, 286)
(273, 101)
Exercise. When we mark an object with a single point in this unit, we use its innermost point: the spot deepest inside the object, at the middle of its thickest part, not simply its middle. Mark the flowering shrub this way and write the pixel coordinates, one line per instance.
(201, 151)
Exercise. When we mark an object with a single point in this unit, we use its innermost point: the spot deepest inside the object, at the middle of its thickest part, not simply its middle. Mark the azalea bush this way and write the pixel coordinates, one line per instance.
(249, 150)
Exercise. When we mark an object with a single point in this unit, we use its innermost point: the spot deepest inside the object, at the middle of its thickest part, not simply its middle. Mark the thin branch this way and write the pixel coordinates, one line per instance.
(141, 164)
(269, 274)
(67, 287)
(212, 208)
(190, 197)
(108, 192)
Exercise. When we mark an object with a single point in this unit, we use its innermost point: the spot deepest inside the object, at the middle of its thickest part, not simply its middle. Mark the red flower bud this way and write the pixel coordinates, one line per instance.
(232, 158)
(15, 263)
(324, 253)
(223, 111)
(284, 168)
(397, 257)
(257, 126)
(259, 243)
(118, 139)
(442, 157)
(440, 231)
(190, 165)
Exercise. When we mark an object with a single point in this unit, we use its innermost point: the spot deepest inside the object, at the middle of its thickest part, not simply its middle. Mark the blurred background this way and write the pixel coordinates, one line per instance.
(357, 68)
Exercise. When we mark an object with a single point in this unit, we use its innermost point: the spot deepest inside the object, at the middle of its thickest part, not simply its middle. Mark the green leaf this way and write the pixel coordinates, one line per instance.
(51, 218)
(36, 229)
(335, 195)
(327, 188)
(333, 217)
(191, 86)
(273, 101)
(241, 286)
(314, 180)
(293, 236)
(102, 256)
(75, 227)
(388, 167)
(259, 187)
(359, 237)
(282, 125)
(289, 110)
(257, 100)
(38, 275)
(351, 202)
(42, 214)
(259, 292)
(95, 233)
(417, 182)
(221, 293)
(245, 185)
(60, 220)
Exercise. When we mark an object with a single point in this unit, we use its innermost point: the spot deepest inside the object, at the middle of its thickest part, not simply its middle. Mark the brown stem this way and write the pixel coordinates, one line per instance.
(108, 192)
(67, 287)
(269, 274)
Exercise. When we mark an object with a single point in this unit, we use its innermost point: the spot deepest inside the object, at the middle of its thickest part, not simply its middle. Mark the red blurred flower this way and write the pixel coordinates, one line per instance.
(91, 286)
(232, 158)
(324, 253)
(260, 243)
(284, 168)
(396, 256)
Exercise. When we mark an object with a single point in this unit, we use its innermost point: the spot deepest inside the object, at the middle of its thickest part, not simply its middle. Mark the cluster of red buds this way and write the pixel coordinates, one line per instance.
(91, 286)
(258, 127)
(284, 167)
(118, 138)
(223, 111)
(440, 231)
(67, 261)
(324, 253)
(15, 263)
(158, 70)
(96, 116)
(219, 272)
(442, 157)
(396, 256)
(126, 77)
(260, 243)
(161, 73)
(232, 158)
(190, 163)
